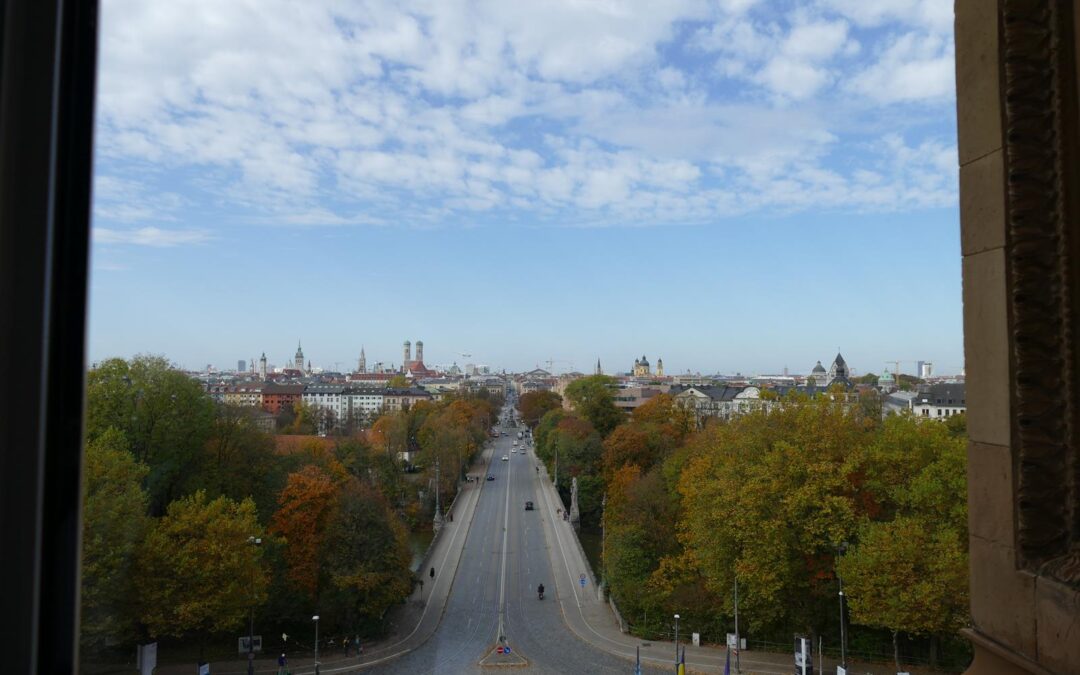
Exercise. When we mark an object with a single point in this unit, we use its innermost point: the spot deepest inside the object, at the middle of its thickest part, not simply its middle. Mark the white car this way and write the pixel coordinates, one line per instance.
(506, 458)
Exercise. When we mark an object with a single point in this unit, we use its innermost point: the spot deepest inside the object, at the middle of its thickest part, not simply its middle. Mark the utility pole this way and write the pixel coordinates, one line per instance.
(556, 481)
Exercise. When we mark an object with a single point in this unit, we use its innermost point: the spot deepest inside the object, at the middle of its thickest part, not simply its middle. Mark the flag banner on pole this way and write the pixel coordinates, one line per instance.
(637, 666)
(681, 670)
(727, 664)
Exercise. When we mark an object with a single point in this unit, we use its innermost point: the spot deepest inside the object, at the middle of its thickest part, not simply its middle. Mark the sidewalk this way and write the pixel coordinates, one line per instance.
(409, 625)
(591, 618)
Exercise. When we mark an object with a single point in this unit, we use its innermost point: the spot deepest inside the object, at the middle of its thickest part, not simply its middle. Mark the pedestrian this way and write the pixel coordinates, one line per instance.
(359, 647)
(451, 516)
(281, 661)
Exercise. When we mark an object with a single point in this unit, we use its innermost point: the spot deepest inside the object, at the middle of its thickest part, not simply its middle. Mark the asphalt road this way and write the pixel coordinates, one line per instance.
(534, 629)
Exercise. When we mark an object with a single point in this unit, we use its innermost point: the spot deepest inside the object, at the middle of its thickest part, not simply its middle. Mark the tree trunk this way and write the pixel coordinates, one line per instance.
(933, 651)
(896, 650)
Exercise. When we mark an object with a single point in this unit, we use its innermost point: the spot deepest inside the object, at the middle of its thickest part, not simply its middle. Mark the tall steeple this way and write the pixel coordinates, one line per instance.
(598, 370)
(363, 361)
(298, 362)
(262, 366)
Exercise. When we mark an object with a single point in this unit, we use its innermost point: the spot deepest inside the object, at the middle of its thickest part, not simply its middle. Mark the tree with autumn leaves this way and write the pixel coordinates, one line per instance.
(769, 498)
(534, 405)
(344, 547)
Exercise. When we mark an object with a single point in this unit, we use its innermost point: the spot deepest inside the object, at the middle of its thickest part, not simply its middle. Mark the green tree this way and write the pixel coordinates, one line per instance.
(199, 572)
(398, 382)
(592, 398)
(767, 497)
(165, 416)
(114, 524)
(239, 461)
(367, 558)
(908, 575)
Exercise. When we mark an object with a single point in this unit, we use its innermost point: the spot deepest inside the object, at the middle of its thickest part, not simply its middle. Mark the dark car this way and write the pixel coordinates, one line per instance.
(528, 506)
(491, 476)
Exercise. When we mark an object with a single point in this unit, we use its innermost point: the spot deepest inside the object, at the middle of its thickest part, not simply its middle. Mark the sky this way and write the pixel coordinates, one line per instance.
(730, 185)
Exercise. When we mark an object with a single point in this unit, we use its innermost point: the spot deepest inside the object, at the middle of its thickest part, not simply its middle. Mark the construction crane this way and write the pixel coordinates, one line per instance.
(551, 364)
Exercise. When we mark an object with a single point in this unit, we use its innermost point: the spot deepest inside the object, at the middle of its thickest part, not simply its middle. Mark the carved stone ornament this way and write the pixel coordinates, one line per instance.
(1040, 148)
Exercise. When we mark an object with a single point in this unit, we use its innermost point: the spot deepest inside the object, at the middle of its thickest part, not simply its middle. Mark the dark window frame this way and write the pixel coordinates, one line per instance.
(48, 61)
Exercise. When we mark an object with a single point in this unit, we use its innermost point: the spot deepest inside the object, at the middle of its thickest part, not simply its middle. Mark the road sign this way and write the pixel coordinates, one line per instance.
(500, 650)
(506, 649)
(583, 581)
(284, 637)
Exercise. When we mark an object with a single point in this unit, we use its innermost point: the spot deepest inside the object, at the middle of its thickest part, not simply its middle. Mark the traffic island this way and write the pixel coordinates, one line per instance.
(503, 656)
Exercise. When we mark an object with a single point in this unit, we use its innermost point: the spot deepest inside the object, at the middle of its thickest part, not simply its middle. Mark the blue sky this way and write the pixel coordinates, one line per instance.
(732, 185)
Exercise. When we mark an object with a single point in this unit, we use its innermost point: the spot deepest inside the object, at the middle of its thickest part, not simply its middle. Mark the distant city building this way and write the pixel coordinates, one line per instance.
(262, 366)
(362, 365)
(886, 382)
(837, 373)
(926, 370)
(276, 398)
(241, 366)
(641, 367)
(298, 361)
(631, 398)
(940, 401)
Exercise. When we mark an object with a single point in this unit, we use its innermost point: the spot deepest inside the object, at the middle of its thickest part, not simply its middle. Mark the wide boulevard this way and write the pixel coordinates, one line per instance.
(506, 555)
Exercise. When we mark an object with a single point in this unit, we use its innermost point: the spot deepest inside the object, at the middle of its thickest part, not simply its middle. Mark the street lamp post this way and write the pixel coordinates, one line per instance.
(738, 643)
(843, 631)
(316, 620)
(254, 541)
(676, 640)
(603, 542)
(438, 512)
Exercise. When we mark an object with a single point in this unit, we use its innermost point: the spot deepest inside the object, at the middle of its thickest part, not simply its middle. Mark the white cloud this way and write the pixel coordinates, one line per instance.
(386, 112)
(914, 67)
(149, 236)
(934, 15)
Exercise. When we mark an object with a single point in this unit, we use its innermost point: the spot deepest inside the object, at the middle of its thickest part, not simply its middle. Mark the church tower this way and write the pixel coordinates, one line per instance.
(420, 351)
(298, 362)
(407, 351)
(262, 366)
(598, 370)
(362, 366)
(659, 367)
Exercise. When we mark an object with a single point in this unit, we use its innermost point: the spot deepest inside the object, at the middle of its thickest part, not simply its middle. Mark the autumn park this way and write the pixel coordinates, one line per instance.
(196, 522)
(786, 503)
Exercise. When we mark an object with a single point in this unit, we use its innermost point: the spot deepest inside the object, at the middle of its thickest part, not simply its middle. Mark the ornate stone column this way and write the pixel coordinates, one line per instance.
(1020, 239)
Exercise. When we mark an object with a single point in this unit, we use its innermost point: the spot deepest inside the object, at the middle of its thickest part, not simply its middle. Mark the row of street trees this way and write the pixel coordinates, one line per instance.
(193, 519)
(771, 500)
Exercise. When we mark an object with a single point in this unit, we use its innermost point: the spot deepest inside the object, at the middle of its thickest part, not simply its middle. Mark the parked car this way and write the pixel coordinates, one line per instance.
(506, 458)
(491, 476)
(528, 506)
